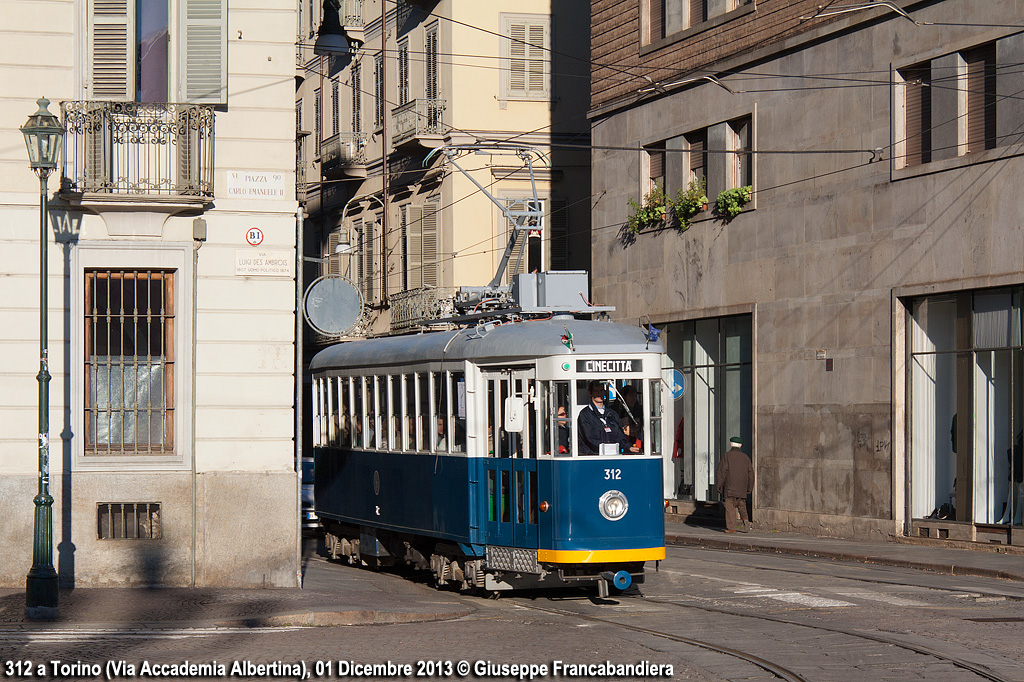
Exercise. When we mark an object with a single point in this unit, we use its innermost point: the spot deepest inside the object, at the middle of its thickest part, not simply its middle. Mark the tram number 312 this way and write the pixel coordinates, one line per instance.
(613, 474)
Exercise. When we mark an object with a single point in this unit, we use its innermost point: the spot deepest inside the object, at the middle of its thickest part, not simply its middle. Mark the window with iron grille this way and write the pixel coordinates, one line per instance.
(129, 362)
(128, 521)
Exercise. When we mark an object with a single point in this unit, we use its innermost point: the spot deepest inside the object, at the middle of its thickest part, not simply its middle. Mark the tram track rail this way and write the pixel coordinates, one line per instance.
(778, 670)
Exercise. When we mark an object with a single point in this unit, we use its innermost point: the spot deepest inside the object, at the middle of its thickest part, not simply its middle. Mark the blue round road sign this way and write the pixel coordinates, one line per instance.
(676, 384)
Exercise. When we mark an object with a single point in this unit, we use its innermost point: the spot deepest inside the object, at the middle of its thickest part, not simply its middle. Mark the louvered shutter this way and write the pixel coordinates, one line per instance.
(656, 155)
(657, 16)
(918, 110)
(536, 64)
(204, 52)
(336, 105)
(981, 98)
(412, 228)
(112, 50)
(557, 234)
(698, 12)
(368, 271)
(378, 91)
(432, 88)
(431, 243)
(357, 99)
(698, 143)
(403, 72)
(517, 59)
(333, 259)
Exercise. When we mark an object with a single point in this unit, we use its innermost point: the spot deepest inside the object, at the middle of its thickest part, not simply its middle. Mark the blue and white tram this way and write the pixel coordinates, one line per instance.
(445, 450)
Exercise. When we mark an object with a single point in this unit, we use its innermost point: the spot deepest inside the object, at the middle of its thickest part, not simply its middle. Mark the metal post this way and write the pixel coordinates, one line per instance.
(41, 584)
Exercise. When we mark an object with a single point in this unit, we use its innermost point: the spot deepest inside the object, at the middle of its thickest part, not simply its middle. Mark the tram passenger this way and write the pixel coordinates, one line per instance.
(442, 434)
(600, 431)
(630, 411)
(564, 430)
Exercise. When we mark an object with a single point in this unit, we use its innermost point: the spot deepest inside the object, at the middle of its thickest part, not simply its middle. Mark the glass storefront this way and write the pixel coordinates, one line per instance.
(967, 407)
(715, 356)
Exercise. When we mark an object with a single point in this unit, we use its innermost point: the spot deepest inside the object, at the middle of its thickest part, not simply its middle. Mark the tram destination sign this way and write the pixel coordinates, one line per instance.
(614, 366)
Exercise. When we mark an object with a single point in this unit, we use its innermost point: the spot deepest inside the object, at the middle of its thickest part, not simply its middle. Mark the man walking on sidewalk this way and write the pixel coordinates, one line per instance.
(735, 480)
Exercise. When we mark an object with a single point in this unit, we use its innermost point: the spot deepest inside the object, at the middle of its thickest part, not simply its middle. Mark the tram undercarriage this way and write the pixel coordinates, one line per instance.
(501, 569)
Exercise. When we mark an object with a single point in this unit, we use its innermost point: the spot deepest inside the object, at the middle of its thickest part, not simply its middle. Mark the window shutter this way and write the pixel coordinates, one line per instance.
(430, 251)
(517, 59)
(656, 155)
(918, 109)
(113, 62)
(368, 271)
(432, 88)
(698, 142)
(204, 53)
(981, 98)
(698, 12)
(357, 99)
(535, 59)
(336, 107)
(657, 19)
(403, 72)
(412, 229)
(333, 259)
(378, 90)
(557, 220)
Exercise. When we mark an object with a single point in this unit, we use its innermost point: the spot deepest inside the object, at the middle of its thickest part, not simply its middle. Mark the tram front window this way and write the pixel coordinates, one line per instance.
(599, 428)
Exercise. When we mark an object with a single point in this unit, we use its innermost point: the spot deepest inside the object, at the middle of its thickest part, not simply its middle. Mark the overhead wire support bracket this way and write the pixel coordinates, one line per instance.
(522, 220)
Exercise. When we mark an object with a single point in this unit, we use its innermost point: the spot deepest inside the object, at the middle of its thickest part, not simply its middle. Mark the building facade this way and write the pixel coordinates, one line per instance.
(858, 322)
(171, 259)
(386, 209)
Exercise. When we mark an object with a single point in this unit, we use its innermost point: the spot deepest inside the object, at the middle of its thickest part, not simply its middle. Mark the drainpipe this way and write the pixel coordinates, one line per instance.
(300, 251)
(198, 237)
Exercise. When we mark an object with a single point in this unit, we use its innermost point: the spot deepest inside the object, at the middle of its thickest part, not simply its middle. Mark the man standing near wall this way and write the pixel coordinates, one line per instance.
(735, 480)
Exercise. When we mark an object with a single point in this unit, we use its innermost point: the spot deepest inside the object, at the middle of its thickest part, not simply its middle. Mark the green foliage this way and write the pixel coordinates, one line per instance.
(730, 202)
(690, 201)
(650, 211)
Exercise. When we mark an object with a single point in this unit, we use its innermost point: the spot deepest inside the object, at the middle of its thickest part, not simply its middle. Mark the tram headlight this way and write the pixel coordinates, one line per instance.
(613, 505)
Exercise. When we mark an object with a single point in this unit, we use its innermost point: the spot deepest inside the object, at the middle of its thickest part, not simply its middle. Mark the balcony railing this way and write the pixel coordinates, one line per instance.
(413, 308)
(351, 13)
(342, 151)
(417, 118)
(130, 148)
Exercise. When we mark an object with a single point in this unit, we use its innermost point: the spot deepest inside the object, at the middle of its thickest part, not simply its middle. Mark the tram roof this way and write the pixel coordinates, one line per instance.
(518, 341)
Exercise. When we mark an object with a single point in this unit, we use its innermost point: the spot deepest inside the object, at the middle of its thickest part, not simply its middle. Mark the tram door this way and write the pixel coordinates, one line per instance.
(511, 463)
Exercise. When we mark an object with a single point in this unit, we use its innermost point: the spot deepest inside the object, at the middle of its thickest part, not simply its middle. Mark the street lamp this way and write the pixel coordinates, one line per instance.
(43, 134)
(330, 37)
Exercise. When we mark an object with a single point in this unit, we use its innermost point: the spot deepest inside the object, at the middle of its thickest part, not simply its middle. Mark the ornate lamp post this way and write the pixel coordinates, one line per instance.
(43, 134)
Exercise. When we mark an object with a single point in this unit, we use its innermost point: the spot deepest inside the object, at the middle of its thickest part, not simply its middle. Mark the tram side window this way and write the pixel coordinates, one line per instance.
(629, 407)
(599, 429)
(441, 412)
(403, 413)
(346, 411)
(457, 414)
(318, 412)
(556, 402)
(382, 413)
(654, 435)
(364, 434)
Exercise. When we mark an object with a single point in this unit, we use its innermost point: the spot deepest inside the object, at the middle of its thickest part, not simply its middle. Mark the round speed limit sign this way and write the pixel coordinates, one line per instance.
(254, 236)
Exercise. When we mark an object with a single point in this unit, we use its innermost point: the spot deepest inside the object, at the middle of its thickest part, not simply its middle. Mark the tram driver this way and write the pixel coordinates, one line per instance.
(599, 428)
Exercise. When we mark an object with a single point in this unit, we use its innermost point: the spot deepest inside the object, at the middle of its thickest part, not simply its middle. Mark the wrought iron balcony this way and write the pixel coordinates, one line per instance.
(344, 154)
(413, 308)
(351, 14)
(418, 120)
(126, 149)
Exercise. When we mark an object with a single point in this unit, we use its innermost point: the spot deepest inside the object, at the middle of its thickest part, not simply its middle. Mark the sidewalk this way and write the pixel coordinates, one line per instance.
(331, 595)
(987, 561)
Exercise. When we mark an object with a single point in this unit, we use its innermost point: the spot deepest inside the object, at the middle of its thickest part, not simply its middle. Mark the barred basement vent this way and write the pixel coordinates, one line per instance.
(128, 520)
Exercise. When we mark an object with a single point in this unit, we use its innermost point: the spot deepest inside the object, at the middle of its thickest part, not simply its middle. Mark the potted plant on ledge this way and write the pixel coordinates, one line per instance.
(649, 212)
(730, 202)
(690, 201)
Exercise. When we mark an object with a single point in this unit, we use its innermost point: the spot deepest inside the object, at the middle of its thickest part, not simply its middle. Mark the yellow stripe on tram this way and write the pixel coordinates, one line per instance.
(600, 556)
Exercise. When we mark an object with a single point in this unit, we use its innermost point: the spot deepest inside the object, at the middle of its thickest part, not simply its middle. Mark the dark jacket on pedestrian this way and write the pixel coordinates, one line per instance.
(735, 475)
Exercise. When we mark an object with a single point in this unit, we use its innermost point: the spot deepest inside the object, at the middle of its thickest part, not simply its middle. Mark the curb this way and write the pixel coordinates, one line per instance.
(934, 567)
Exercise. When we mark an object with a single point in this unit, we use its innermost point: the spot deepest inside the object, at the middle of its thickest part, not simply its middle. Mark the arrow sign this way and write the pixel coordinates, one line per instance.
(676, 384)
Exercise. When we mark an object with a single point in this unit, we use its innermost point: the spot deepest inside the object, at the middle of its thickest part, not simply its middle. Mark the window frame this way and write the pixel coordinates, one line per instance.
(133, 256)
(506, 93)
